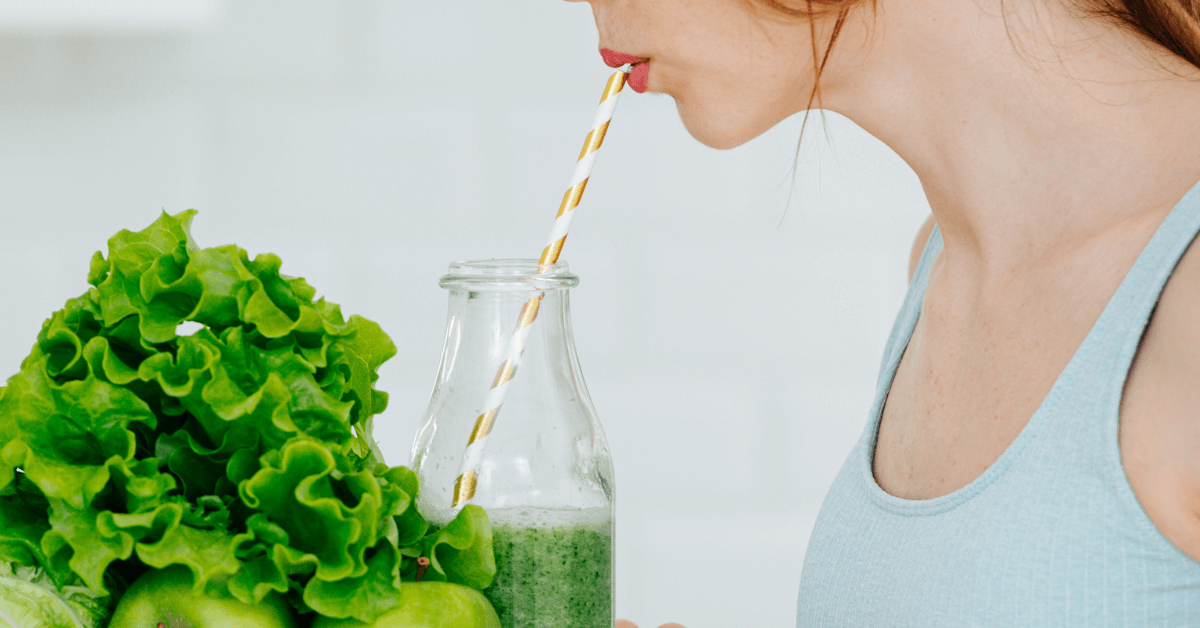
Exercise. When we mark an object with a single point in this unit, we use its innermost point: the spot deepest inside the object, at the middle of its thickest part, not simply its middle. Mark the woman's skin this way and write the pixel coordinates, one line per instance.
(1050, 147)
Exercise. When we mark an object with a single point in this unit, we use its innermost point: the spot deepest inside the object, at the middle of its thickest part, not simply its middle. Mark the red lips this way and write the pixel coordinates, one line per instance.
(638, 76)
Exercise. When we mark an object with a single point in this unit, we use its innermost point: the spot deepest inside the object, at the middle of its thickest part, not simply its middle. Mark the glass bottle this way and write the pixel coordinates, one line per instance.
(546, 475)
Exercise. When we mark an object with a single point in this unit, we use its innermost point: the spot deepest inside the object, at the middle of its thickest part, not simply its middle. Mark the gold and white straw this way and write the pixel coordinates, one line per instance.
(464, 486)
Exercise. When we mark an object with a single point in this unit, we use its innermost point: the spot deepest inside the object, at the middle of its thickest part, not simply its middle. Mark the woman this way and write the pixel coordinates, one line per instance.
(1033, 458)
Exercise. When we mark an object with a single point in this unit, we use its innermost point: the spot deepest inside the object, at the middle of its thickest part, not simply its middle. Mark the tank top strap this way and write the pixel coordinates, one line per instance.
(1104, 358)
(910, 310)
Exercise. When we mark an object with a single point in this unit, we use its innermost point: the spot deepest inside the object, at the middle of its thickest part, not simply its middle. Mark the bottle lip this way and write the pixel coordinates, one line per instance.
(507, 275)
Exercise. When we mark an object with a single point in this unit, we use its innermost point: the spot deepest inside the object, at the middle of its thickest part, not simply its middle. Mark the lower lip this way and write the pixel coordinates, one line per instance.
(639, 76)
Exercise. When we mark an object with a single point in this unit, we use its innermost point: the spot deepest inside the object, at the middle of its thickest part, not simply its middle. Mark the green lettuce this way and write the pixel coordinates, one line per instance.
(242, 451)
(29, 597)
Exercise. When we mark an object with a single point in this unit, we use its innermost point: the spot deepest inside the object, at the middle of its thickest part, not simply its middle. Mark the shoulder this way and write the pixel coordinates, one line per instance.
(919, 245)
(1160, 411)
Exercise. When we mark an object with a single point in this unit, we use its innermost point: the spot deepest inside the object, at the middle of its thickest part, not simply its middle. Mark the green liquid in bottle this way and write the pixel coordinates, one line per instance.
(556, 576)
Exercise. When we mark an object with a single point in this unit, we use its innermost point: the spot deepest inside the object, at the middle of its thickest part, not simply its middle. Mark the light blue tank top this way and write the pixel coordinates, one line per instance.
(1050, 535)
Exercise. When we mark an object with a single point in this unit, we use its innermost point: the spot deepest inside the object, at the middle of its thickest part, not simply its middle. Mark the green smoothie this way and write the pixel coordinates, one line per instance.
(553, 576)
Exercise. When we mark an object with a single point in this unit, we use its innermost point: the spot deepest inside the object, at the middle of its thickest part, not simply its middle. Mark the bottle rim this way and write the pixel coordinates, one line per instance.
(507, 275)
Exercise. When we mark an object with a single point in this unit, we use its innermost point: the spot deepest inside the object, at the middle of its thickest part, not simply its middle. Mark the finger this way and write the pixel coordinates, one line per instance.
(625, 623)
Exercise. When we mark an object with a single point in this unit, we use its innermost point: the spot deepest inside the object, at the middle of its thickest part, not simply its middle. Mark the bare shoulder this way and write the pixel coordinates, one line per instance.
(1160, 411)
(919, 245)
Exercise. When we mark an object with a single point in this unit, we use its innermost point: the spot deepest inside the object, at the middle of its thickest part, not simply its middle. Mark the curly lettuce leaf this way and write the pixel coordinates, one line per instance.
(76, 539)
(66, 435)
(327, 513)
(364, 597)
(461, 552)
(23, 522)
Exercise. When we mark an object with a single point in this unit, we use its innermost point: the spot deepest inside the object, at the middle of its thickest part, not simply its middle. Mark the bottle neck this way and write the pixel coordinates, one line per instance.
(480, 329)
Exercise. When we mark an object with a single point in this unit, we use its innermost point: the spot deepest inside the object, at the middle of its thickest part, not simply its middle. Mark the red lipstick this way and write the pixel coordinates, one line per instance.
(639, 76)
(614, 59)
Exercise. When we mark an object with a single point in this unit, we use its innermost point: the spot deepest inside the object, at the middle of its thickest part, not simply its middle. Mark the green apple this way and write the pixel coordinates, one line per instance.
(428, 605)
(163, 598)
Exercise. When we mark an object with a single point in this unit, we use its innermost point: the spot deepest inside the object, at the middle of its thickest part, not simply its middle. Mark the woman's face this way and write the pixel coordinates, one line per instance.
(734, 69)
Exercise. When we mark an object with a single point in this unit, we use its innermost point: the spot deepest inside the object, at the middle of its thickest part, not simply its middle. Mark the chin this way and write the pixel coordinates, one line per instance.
(716, 130)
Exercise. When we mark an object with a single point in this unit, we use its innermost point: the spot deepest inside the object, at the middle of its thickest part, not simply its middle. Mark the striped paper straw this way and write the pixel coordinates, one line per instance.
(464, 486)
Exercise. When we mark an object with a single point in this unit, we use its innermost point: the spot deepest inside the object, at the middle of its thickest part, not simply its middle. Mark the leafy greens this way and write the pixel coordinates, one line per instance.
(242, 451)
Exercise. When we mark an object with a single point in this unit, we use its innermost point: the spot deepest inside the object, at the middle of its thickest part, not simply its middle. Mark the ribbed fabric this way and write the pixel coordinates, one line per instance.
(1050, 535)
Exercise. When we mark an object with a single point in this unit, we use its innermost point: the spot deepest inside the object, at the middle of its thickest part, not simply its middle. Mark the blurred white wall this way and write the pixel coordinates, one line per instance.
(62, 17)
(730, 341)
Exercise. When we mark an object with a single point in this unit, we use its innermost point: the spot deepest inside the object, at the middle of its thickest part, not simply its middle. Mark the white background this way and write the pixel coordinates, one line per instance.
(730, 339)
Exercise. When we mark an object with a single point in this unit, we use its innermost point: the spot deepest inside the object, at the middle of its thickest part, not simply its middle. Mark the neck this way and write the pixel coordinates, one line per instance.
(1029, 141)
